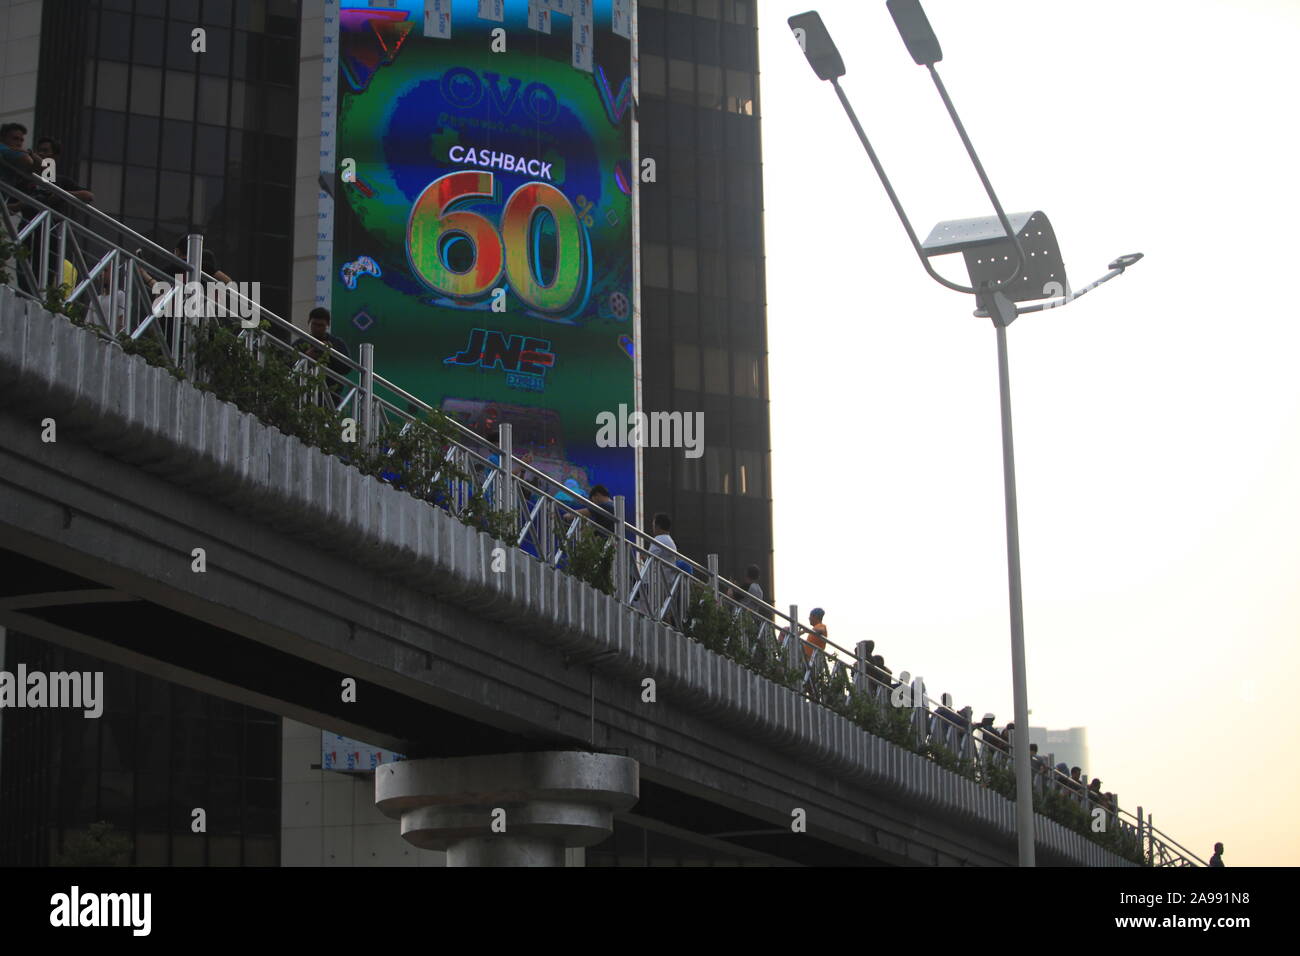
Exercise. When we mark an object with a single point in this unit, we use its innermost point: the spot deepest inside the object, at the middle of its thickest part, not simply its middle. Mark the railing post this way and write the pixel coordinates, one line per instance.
(621, 573)
(43, 267)
(920, 712)
(505, 476)
(860, 672)
(190, 323)
(1141, 833)
(792, 645)
(365, 394)
(713, 576)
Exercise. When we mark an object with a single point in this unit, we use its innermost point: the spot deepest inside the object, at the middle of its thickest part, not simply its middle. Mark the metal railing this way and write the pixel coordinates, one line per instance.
(138, 297)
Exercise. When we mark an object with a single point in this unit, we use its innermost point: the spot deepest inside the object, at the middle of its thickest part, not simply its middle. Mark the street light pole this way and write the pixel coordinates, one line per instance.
(987, 244)
(1020, 739)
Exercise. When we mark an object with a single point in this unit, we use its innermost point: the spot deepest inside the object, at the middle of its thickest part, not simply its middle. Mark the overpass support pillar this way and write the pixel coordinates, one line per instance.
(520, 809)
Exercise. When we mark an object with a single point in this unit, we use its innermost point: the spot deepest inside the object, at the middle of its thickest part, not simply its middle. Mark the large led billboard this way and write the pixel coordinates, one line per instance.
(481, 216)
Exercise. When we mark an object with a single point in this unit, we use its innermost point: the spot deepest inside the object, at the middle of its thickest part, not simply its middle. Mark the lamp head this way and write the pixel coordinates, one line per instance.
(991, 255)
(916, 31)
(1123, 262)
(817, 45)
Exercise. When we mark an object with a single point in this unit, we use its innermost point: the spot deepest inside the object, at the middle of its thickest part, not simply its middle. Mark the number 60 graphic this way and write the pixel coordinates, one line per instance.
(435, 228)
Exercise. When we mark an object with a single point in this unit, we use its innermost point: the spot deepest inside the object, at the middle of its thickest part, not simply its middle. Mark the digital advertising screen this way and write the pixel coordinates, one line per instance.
(481, 232)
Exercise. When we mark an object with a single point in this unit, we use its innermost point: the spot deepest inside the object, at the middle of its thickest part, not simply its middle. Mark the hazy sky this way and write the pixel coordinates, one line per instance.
(1156, 419)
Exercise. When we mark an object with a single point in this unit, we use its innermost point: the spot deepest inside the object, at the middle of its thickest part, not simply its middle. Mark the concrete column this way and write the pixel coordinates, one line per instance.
(508, 809)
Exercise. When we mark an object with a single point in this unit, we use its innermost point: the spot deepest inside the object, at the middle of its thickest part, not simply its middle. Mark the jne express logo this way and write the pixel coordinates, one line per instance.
(524, 360)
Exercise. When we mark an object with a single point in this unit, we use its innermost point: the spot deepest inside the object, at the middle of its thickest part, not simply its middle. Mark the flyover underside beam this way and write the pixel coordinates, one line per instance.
(75, 508)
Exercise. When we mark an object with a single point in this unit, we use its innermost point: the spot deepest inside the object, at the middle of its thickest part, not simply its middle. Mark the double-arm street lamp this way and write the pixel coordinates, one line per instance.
(1010, 260)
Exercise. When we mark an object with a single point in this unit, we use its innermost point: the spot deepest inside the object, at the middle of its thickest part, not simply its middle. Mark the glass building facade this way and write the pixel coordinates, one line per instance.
(157, 753)
(703, 314)
(172, 140)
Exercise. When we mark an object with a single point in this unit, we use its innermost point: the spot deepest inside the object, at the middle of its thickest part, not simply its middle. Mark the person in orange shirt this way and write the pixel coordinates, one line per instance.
(817, 638)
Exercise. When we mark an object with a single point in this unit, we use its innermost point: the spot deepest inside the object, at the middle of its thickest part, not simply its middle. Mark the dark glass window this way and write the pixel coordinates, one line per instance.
(680, 173)
(174, 198)
(146, 90)
(149, 43)
(218, 11)
(114, 36)
(110, 85)
(142, 140)
(138, 198)
(681, 36)
(654, 264)
(650, 30)
(683, 216)
(210, 156)
(684, 269)
(652, 76)
(177, 145)
(108, 138)
(686, 367)
(217, 58)
(213, 99)
(178, 96)
(180, 47)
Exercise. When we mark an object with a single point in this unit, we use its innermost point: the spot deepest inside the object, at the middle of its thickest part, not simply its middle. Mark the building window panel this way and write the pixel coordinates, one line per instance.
(139, 196)
(652, 76)
(681, 81)
(178, 96)
(746, 375)
(110, 86)
(149, 46)
(738, 11)
(717, 381)
(146, 90)
(210, 158)
(114, 36)
(740, 92)
(106, 184)
(710, 87)
(177, 145)
(213, 98)
(681, 174)
(180, 47)
(717, 464)
(142, 140)
(217, 58)
(743, 279)
(654, 265)
(686, 367)
(174, 199)
(684, 269)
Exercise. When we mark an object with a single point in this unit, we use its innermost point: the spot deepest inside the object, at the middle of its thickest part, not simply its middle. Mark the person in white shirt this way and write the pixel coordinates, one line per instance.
(663, 540)
(661, 575)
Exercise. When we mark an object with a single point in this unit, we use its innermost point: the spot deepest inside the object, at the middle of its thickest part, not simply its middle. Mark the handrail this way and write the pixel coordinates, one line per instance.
(548, 517)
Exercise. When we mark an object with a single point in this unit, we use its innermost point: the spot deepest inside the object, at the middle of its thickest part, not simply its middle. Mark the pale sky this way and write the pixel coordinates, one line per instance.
(1156, 420)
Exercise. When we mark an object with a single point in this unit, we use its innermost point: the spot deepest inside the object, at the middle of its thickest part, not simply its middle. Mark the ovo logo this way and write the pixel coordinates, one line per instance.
(461, 254)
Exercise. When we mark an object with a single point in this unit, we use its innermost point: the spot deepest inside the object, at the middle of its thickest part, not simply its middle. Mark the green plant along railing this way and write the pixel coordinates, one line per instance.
(426, 455)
